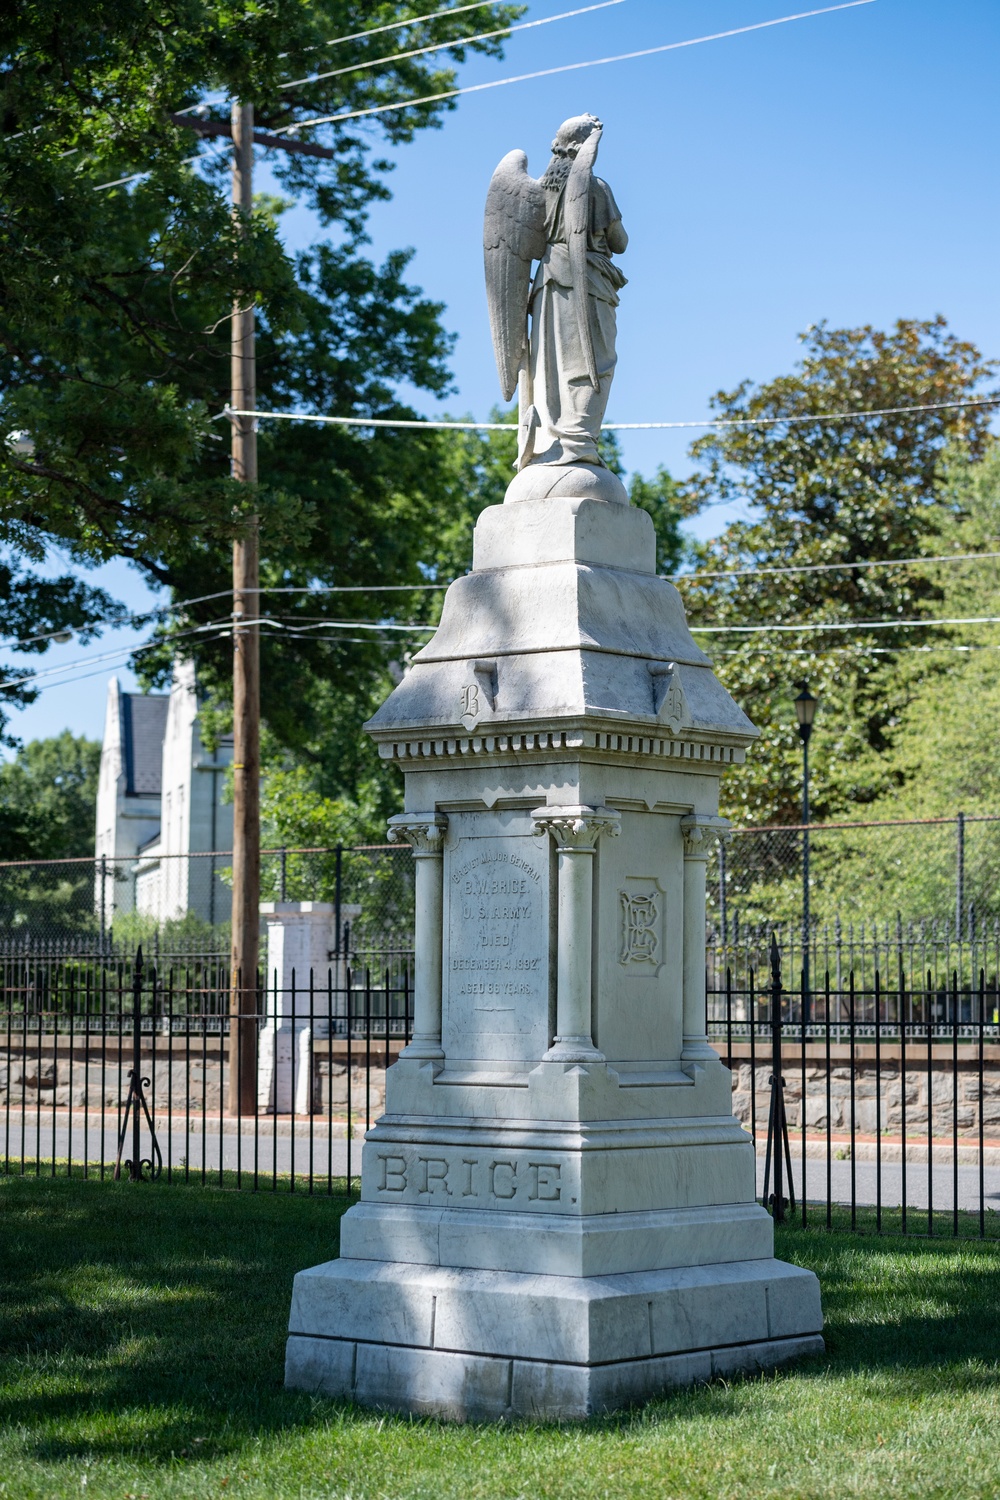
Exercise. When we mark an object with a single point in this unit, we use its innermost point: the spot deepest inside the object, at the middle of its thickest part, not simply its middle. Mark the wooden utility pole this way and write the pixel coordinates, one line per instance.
(246, 633)
(246, 670)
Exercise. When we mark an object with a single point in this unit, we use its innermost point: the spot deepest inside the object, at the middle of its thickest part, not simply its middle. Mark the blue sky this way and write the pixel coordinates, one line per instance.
(839, 167)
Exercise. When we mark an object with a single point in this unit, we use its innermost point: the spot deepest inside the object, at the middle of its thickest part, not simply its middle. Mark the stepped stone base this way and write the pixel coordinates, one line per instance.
(494, 1344)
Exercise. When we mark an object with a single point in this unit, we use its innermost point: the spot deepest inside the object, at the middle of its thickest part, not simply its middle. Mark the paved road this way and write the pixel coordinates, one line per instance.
(284, 1153)
(917, 1184)
(196, 1151)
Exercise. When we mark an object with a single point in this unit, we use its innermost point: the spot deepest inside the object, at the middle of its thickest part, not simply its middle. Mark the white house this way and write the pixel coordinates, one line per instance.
(160, 815)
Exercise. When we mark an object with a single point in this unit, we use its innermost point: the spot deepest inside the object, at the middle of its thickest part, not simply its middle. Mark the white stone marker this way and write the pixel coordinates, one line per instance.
(558, 1211)
(300, 940)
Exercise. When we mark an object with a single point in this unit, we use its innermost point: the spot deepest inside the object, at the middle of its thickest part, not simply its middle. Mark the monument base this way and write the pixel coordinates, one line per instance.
(477, 1344)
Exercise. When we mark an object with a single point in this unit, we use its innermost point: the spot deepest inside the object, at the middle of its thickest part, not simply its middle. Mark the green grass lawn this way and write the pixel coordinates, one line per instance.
(141, 1347)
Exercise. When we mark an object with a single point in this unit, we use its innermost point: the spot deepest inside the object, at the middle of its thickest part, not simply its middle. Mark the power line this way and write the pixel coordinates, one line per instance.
(410, 627)
(832, 416)
(336, 41)
(18, 643)
(376, 625)
(888, 562)
(496, 83)
(408, 588)
(213, 151)
(784, 651)
(28, 678)
(435, 15)
(433, 424)
(402, 422)
(861, 650)
(464, 41)
(493, 83)
(341, 588)
(845, 625)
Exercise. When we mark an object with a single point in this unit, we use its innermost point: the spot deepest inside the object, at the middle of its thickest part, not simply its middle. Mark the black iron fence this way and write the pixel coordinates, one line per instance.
(888, 1105)
(103, 1064)
(882, 1096)
(920, 959)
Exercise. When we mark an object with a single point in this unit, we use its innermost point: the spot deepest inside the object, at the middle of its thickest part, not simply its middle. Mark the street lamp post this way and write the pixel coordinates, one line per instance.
(805, 712)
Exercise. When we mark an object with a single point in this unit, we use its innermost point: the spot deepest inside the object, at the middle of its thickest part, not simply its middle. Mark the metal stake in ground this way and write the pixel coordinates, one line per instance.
(136, 1098)
(778, 1149)
(805, 712)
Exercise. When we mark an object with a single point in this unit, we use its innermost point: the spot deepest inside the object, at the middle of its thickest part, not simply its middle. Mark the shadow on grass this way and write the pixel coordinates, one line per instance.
(163, 1310)
(147, 1320)
(907, 1303)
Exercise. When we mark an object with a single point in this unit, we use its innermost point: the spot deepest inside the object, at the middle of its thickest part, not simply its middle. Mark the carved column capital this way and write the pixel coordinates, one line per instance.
(700, 833)
(424, 832)
(577, 828)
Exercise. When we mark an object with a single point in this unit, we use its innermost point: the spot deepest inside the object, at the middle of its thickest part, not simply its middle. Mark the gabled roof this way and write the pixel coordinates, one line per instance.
(144, 722)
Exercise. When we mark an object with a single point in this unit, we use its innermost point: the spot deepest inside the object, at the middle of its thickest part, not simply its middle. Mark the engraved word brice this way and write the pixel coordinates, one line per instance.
(500, 1179)
(639, 937)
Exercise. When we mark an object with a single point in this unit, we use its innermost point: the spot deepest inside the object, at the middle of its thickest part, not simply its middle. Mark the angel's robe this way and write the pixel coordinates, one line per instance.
(569, 408)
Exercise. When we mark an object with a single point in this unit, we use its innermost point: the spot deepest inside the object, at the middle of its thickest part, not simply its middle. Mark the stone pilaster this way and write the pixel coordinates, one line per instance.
(576, 831)
(700, 832)
(425, 832)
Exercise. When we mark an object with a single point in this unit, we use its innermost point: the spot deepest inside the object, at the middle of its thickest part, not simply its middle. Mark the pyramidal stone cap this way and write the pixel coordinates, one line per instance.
(563, 618)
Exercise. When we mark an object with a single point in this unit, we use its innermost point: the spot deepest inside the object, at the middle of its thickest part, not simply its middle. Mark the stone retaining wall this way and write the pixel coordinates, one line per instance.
(49, 1078)
(751, 1083)
(184, 1085)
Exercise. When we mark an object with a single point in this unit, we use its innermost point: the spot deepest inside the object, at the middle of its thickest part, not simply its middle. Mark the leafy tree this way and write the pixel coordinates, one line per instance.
(831, 493)
(115, 300)
(945, 747)
(48, 795)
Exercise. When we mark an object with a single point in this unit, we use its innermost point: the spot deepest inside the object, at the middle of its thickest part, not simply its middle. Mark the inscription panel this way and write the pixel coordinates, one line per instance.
(496, 961)
(465, 1177)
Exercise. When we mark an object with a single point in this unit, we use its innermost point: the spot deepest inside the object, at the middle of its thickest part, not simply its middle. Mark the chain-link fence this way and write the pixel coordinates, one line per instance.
(179, 905)
(929, 870)
(927, 889)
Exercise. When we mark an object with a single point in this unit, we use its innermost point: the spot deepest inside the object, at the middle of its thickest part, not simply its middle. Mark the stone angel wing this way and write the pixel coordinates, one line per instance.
(576, 209)
(513, 236)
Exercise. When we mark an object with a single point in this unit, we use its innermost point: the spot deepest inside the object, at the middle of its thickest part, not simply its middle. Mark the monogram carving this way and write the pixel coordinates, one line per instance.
(640, 924)
(479, 697)
(668, 695)
(470, 703)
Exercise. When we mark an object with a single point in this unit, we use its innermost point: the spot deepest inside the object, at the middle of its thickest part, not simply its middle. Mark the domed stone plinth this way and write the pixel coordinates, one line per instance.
(567, 482)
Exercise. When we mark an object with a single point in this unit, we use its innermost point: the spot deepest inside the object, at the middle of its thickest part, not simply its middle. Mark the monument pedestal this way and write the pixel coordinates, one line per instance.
(558, 1210)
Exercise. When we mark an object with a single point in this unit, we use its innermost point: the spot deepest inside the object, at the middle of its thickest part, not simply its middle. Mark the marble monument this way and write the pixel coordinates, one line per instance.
(558, 1212)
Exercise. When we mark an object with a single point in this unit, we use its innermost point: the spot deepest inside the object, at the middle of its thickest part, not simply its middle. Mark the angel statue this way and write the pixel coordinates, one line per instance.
(569, 222)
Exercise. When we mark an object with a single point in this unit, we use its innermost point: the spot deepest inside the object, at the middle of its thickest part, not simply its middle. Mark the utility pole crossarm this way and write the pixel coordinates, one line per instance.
(260, 137)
